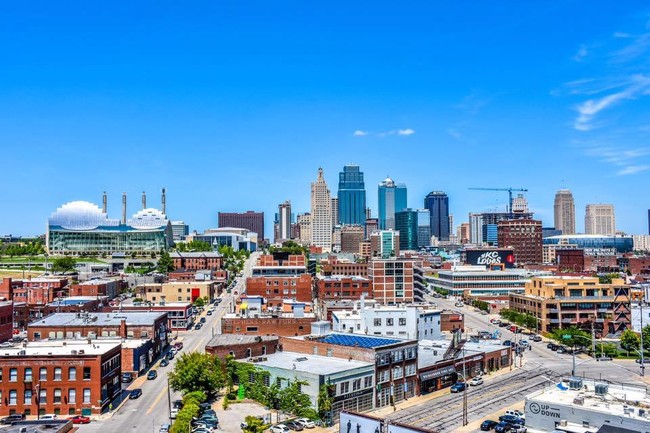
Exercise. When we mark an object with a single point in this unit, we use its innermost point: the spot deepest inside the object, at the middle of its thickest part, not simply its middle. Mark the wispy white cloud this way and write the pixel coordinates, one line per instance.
(454, 133)
(633, 169)
(622, 35)
(581, 54)
(472, 103)
(637, 48)
(407, 131)
(360, 133)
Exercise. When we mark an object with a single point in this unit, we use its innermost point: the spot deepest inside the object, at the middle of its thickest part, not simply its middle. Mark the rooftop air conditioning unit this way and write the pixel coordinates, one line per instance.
(81, 351)
(601, 388)
(73, 352)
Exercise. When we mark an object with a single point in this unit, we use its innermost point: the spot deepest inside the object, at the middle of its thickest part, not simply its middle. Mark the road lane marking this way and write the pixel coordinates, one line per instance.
(157, 400)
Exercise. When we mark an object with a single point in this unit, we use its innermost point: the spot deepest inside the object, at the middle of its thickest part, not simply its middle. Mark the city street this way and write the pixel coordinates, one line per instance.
(151, 410)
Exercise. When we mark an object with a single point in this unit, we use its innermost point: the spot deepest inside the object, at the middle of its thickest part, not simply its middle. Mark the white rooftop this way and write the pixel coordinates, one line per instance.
(61, 348)
(313, 364)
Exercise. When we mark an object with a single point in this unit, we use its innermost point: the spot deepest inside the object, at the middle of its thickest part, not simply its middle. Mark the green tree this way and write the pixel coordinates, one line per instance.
(254, 425)
(630, 340)
(325, 400)
(645, 334)
(63, 265)
(571, 336)
(165, 263)
(200, 302)
(196, 371)
(184, 417)
(293, 400)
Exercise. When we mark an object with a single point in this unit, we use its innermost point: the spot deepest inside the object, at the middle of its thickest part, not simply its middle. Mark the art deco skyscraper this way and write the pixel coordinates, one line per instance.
(600, 219)
(321, 213)
(565, 212)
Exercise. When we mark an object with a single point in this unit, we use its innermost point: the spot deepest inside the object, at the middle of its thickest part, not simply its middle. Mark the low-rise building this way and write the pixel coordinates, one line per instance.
(333, 266)
(77, 326)
(40, 291)
(178, 291)
(194, 261)
(478, 282)
(6, 320)
(564, 301)
(394, 279)
(277, 289)
(351, 381)
(57, 377)
(343, 287)
(578, 404)
(268, 323)
(394, 360)
(241, 346)
(415, 322)
(180, 315)
(98, 287)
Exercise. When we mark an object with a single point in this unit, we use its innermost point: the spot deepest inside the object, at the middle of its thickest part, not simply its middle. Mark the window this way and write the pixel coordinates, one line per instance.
(13, 397)
(28, 374)
(13, 375)
(263, 350)
(367, 382)
(356, 384)
(86, 395)
(248, 353)
(402, 321)
(377, 322)
(251, 329)
(42, 396)
(42, 374)
(344, 387)
(28, 397)
(58, 373)
(86, 374)
(57, 395)
(72, 373)
(389, 321)
(72, 396)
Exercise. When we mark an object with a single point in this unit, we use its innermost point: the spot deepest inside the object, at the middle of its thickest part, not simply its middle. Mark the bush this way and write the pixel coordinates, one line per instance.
(231, 396)
(225, 404)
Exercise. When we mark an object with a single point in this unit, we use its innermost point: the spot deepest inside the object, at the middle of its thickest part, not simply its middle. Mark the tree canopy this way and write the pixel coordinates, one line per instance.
(290, 247)
(196, 371)
(165, 263)
(63, 265)
(572, 336)
(194, 245)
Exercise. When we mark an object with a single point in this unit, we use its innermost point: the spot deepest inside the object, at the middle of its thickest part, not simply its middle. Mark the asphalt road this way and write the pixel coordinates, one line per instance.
(151, 410)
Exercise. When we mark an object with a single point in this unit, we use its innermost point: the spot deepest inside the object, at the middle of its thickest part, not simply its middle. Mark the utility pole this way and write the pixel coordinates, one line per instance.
(169, 400)
(642, 364)
(464, 390)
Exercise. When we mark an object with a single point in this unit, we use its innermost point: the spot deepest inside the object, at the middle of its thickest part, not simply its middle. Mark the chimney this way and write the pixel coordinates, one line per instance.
(144, 200)
(104, 200)
(123, 328)
(164, 202)
(124, 208)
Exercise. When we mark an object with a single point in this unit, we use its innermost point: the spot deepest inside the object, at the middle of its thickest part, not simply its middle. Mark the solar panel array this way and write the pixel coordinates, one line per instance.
(358, 340)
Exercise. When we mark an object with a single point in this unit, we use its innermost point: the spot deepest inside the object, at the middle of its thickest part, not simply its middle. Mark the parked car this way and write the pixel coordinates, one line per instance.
(552, 346)
(164, 428)
(210, 419)
(79, 419)
(152, 375)
(478, 380)
(524, 343)
(561, 349)
(48, 417)
(202, 320)
(488, 425)
(204, 407)
(503, 427)
(504, 324)
(536, 338)
(458, 387)
(177, 404)
(280, 428)
(516, 413)
(11, 418)
(198, 326)
(209, 313)
(173, 413)
(295, 426)
(6, 345)
(518, 429)
(306, 422)
(507, 343)
(164, 363)
(178, 345)
(645, 361)
(136, 393)
(127, 377)
(495, 321)
(512, 419)
(170, 355)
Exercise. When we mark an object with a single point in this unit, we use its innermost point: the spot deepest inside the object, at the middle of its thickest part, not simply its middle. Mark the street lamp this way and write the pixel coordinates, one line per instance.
(569, 337)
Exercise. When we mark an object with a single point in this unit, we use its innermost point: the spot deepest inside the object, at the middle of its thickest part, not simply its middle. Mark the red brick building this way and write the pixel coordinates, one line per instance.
(393, 279)
(63, 378)
(6, 320)
(570, 260)
(639, 265)
(331, 266)
(194, 261)
(179, 314)
(275, 289)
(110, 288)
(278, 324)
(40, 291)
(451, 321)
(524, 236)
(253, 221)
(241, 346)
(7, 287)
(281, 259)
(339, 287)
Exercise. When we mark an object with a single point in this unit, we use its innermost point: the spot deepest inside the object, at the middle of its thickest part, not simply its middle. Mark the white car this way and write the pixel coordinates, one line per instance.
(280, 428)
(517, 413)
(518, 429)
(48, 416)
(476, 381)
(306, 422)
(173, 413)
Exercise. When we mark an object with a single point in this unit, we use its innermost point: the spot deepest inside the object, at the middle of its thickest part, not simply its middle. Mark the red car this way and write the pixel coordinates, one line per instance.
(79, 419)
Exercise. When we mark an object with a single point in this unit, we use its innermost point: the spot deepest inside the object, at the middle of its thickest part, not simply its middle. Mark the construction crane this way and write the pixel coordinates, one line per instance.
(510, 190)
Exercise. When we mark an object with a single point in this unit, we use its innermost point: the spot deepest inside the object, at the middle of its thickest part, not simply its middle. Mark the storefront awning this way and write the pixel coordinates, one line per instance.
(444, 371)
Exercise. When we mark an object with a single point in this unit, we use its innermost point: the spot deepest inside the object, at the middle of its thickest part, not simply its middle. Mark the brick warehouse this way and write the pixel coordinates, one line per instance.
(63, 378)
(197, 261)
(241, 346)
(341, 287)
(276, 289)
(6, 320)
(284, 325)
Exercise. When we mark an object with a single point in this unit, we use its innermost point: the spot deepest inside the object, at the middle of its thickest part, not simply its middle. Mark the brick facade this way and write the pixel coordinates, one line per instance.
(283, 326)
(451, 321)
(335, 288)
(110, 288)
(242, 348)
(334, 267)
(6, 320)
(276, 289)
(197, 261)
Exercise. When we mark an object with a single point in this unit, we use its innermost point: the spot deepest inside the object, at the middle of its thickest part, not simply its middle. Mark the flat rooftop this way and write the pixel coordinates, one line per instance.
(55, 426)
(313, 364)
(98, 281)
(362, 341)
(143, 318)
(74, 300)
(619, 400)
(232, 339)
(61, 348)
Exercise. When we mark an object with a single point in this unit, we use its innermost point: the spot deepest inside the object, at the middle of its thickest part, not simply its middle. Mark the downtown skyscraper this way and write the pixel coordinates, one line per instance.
(600, 219)
(392, 199)
(438, 204)
(351, 196)
(564, 212)
(321, 213)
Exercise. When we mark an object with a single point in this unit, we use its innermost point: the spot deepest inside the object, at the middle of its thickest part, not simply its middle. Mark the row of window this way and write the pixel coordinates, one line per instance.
(277, 283)
(284, 291)
(57, 393)
(43, 374)
(344, 387)
(59, 335)
(390, 321)
(397, 355)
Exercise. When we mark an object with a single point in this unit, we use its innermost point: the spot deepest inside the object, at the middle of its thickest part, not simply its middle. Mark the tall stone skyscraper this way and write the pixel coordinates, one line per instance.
(438, 204)
(351, 196)
(392, 199)
(321, 213)
(284, 221)
(565, 212)
(600, 219)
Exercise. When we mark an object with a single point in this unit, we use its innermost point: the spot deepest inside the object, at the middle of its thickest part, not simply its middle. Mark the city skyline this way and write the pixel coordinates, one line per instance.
(108, 99)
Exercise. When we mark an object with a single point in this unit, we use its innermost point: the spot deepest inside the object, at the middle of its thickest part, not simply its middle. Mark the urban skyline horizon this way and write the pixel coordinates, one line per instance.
(500, 205)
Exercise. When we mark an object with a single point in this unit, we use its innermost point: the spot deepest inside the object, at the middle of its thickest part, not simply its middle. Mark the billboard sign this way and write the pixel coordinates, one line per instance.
(357, 423)
(486, 257)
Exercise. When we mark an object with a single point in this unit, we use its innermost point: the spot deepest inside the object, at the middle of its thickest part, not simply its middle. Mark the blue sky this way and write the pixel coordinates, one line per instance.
(234, 105)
